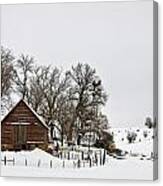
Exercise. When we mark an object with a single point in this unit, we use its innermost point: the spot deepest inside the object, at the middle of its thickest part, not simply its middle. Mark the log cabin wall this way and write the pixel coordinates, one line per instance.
(22, 129)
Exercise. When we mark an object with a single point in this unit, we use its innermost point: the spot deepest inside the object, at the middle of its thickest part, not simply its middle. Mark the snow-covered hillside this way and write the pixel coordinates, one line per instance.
(143, 145)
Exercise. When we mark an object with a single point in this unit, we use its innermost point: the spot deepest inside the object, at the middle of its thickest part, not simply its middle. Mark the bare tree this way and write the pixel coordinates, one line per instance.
(48, 96)
(7, 76)
(87, 94)
(24, 68)
(149, 122)
(65, 111)
(51, 84)
(36, 89)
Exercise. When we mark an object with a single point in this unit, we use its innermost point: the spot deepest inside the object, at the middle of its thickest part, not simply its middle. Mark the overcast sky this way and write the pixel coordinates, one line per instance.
(115, 38)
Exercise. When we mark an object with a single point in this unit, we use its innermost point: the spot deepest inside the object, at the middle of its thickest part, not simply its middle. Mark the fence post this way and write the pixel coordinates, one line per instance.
(39, 163)
(13, 161)
(100, 157)
(82, 155)
(104, 157)
(61, 155)
(83, 163)
(51, 164)
(25, 162)
(68, 155)
(96, 159)
(90, 162)
(5, 160)
(63, 164)
(73, 164)
(78, 163)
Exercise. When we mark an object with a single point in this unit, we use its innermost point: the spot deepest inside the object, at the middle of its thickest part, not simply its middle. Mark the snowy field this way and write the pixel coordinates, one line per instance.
(137, 164)
(141, 146)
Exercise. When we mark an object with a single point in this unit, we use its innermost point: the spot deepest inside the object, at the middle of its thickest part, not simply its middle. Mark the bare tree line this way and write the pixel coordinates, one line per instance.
(73, 98)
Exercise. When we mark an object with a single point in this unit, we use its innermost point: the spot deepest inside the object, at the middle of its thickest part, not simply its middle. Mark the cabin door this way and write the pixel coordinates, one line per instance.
(20, 137)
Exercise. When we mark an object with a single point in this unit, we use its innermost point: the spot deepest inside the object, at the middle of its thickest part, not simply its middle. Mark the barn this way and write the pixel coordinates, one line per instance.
(23, 129)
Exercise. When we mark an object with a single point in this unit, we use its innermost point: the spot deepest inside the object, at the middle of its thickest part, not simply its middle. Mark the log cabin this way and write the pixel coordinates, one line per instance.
(23, 129)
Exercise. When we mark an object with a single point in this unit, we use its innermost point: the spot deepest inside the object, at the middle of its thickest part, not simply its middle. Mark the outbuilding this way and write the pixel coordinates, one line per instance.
(23, 129)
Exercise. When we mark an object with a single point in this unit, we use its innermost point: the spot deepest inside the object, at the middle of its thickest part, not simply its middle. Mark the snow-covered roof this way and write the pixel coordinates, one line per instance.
(37, 116)
(4, 115)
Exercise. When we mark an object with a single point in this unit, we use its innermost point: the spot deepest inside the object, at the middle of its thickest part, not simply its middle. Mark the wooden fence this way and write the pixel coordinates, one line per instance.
(67, 160)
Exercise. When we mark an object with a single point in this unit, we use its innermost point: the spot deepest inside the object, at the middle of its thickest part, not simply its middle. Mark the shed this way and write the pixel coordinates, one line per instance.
(23, 129)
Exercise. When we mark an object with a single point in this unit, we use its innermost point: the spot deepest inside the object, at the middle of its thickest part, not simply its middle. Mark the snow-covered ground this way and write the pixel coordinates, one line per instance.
(138, 164)
(142, 145)
(114, 169)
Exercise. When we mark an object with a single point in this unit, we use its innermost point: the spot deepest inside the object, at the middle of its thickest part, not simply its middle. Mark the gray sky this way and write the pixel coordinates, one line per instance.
(115, 38)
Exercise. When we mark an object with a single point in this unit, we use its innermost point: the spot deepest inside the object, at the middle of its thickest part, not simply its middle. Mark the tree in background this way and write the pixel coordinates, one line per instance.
(7, 77)
(87, 95)
(24, 68)
(131, 136)
(65, 113)
(52, 85)
(149, 122)
(35, 94)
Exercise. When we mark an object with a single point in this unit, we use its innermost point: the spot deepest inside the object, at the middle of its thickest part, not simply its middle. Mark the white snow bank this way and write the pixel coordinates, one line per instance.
(114, 169)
